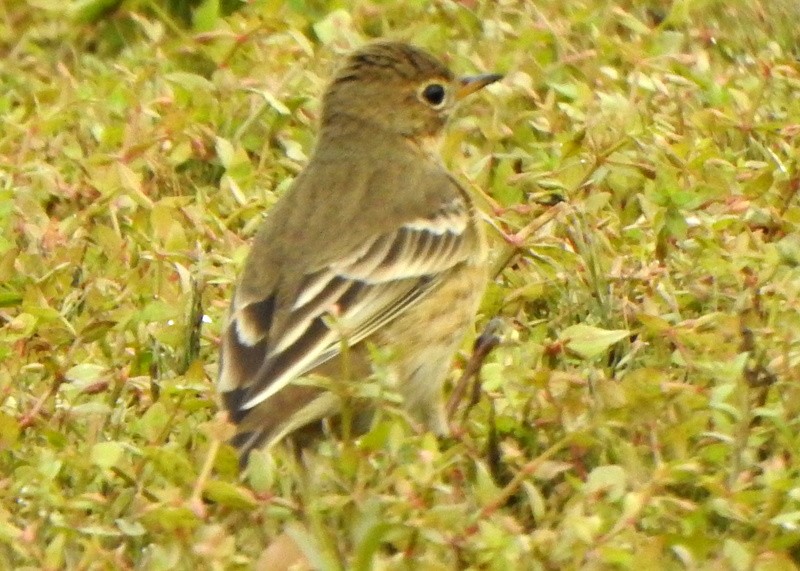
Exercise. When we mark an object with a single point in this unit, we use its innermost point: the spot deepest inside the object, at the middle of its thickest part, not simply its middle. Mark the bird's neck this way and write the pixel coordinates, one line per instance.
(343, 127)
(344, 132)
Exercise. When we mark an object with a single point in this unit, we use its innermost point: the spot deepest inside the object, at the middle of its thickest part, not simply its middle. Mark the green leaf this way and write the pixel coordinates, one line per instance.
(205, 16)
(610, 480)
(369, 544)
(9, 430)
(10, 298)
(486, 489)
(90, 11)
(170, 519)
(331, 27)
(589, 342)
(106, 454)
(788, 520)
(492, 377)
(225, 151)
(230, 495)
(85, 373)
(190, 81)
(130, 528)
(737, 554)
(653, 323)
(152, 423)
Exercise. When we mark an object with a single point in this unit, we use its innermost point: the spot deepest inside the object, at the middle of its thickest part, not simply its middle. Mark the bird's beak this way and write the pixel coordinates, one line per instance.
(472, 83)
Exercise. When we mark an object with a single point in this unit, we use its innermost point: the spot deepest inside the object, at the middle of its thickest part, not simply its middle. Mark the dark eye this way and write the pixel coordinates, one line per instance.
(434, 94)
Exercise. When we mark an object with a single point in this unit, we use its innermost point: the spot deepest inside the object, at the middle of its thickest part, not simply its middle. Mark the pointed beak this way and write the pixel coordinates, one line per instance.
(473, 83)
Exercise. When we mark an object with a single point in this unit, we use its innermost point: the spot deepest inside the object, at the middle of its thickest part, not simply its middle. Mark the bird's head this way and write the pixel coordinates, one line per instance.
(398, 88)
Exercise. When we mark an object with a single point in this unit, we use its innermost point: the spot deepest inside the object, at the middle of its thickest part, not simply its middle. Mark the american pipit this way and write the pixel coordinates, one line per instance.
(375, 242)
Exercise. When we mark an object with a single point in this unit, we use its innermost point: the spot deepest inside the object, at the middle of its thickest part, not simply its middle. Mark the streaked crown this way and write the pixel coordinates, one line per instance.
(394, 87)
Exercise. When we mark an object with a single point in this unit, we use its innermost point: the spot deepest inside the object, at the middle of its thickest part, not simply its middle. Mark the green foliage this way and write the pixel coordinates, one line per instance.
(639, 166)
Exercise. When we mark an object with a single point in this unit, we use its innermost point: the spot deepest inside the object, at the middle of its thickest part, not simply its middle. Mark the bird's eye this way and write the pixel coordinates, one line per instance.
(434, 94)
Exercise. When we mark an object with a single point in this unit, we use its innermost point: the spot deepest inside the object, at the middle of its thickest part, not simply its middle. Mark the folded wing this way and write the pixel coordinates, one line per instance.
(349, 298)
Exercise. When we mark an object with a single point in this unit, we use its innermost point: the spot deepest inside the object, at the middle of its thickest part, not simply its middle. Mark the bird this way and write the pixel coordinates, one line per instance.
(374, 244)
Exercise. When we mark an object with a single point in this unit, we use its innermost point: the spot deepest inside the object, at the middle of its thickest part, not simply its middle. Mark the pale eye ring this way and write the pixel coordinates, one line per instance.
(434, 94)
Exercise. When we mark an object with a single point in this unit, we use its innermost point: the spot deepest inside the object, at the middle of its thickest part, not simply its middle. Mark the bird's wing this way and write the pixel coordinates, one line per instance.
(349, 298)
